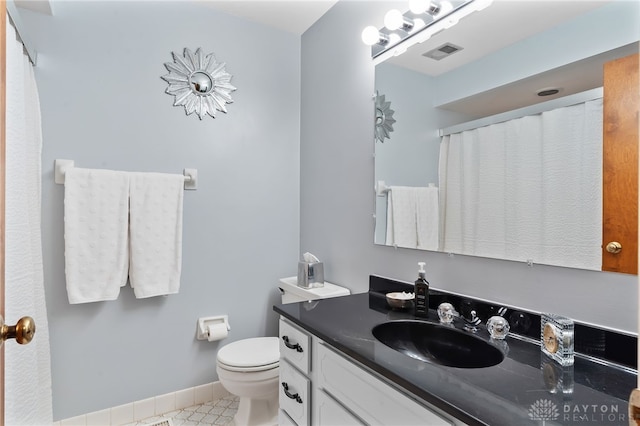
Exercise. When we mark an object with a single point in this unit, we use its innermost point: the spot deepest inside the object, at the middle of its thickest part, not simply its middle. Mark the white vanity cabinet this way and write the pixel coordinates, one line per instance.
(338, 390)
(295, 382)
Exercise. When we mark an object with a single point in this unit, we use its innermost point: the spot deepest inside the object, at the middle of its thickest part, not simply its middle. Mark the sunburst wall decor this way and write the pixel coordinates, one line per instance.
(384, 118)
(199, 83)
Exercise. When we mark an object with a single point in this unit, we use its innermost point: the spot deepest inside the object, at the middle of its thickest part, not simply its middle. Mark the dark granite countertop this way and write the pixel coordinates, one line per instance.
(526, 388)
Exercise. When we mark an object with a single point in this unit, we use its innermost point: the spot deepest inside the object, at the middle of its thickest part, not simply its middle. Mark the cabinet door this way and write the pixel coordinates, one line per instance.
(295, 390)
(331, 413)
(284, 419)
(295, 346)
(368, 397)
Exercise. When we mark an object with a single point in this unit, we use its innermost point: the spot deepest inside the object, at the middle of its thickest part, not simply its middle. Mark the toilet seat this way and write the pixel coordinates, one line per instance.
(255, 354)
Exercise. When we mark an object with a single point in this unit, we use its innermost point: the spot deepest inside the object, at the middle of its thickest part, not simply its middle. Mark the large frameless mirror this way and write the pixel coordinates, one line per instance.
(494, 76)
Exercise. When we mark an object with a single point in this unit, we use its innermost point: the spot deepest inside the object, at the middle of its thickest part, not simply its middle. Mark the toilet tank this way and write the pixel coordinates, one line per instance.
(291, 293)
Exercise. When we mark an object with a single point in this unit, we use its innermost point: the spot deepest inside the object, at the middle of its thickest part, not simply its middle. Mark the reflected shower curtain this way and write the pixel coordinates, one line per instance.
(28, 367)
(525, 189)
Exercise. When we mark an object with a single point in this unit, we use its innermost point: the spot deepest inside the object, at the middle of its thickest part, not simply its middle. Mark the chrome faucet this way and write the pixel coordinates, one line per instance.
(471, 323)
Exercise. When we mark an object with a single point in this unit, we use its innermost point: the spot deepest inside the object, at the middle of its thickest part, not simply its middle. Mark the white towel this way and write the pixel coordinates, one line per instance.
(401, 217)
(427, 217)
(155, 233)
(95, 234)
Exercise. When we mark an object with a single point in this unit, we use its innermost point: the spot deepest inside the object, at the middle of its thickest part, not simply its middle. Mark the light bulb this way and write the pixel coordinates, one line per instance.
(370, 35)
(418, 6)
(393, 39)
(393, 19)
(445, 7)
(418, 23)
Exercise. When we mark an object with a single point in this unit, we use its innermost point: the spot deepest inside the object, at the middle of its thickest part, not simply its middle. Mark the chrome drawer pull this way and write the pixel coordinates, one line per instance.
(297, 347)
(294, 396)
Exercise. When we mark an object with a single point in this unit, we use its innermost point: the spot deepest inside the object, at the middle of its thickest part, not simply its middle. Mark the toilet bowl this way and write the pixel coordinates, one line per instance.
(249, 369)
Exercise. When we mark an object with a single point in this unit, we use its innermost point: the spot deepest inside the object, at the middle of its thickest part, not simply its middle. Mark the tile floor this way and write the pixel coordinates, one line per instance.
(218, 412)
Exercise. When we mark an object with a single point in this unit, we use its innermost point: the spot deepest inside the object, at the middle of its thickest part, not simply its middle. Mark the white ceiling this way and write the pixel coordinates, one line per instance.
(294, 16)
(501, 24)
(40, 6)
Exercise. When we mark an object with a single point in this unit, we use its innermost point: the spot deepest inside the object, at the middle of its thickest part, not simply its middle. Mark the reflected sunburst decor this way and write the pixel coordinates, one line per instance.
(384, 119)
(199, 83)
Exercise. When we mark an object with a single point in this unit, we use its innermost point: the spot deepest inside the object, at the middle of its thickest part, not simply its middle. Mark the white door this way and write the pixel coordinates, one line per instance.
(23, 331)
(3, 32)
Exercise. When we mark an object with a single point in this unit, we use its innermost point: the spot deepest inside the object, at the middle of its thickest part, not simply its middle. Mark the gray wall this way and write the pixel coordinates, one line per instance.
(104, 106)
(337, 202)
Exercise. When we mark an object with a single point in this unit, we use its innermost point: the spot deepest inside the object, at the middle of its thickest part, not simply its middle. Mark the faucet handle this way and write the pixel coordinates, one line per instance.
(447, 313)
(498, 327)
(471, 322)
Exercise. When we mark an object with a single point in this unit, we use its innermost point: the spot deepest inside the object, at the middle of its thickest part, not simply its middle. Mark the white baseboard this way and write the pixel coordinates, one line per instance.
(155, 406)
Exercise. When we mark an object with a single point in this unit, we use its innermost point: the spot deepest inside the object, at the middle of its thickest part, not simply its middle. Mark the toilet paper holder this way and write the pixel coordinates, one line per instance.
(205, 322)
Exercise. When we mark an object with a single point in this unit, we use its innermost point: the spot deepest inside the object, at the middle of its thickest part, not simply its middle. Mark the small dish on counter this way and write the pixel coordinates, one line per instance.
(400, 300)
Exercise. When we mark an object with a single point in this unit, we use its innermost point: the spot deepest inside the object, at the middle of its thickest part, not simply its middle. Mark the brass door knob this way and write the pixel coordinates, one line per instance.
(614, 247)
(23, 331)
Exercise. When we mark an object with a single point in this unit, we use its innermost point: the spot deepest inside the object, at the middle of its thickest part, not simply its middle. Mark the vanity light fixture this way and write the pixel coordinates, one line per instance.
(423, 19)
(394, 19)
(371, 36)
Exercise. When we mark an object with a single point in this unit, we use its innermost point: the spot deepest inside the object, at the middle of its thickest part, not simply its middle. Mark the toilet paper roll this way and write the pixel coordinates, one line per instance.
(217, 332)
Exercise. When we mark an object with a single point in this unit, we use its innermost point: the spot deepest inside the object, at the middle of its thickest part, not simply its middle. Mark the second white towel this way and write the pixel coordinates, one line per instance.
(427, 218)
(155, 226)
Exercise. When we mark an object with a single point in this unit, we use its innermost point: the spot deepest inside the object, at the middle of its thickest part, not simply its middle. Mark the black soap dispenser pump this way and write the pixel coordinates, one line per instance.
(421, 290)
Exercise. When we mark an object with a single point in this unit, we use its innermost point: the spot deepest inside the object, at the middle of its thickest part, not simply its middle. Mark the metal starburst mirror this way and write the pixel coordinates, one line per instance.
(199, 83)
(384, 118)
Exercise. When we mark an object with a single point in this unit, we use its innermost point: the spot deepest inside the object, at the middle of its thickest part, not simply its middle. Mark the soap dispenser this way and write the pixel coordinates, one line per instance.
(421, 290)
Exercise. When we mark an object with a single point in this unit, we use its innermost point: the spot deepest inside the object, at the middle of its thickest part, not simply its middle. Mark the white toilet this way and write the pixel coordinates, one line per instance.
(249, 368)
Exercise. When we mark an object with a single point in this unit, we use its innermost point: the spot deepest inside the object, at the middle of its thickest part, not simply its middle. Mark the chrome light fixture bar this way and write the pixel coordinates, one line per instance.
(424, 19)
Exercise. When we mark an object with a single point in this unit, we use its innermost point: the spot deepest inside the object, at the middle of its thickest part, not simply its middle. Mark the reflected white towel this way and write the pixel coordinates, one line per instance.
(95, 233)
(427, 217)
(155, 233)
(401, 217)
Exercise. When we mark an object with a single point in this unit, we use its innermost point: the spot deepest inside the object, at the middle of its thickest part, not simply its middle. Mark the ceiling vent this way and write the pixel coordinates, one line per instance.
(443, 51)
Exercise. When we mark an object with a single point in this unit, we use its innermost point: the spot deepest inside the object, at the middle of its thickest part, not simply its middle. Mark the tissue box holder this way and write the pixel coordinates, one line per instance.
(310, 274)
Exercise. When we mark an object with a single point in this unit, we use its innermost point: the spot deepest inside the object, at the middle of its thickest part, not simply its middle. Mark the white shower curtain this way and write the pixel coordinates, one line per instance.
(526, 189)
(28, 367)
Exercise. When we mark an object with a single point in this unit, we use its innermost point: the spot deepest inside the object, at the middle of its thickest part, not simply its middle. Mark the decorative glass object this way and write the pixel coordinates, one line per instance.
(558, 379)
(498, 327)
(446, 313)
(199, 83)
(556, 334)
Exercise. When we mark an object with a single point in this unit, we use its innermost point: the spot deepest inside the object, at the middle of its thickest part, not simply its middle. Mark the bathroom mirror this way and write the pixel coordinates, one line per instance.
(199, 83)
(507, 54)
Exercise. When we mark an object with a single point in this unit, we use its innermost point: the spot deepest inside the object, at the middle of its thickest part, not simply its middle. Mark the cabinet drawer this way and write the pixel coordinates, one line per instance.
(284, 419)
(295, 390)
(368, 397)
(295, 346)
(331, 413)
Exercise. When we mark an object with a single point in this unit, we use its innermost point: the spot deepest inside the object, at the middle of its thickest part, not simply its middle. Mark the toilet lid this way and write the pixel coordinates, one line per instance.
(247, 353)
